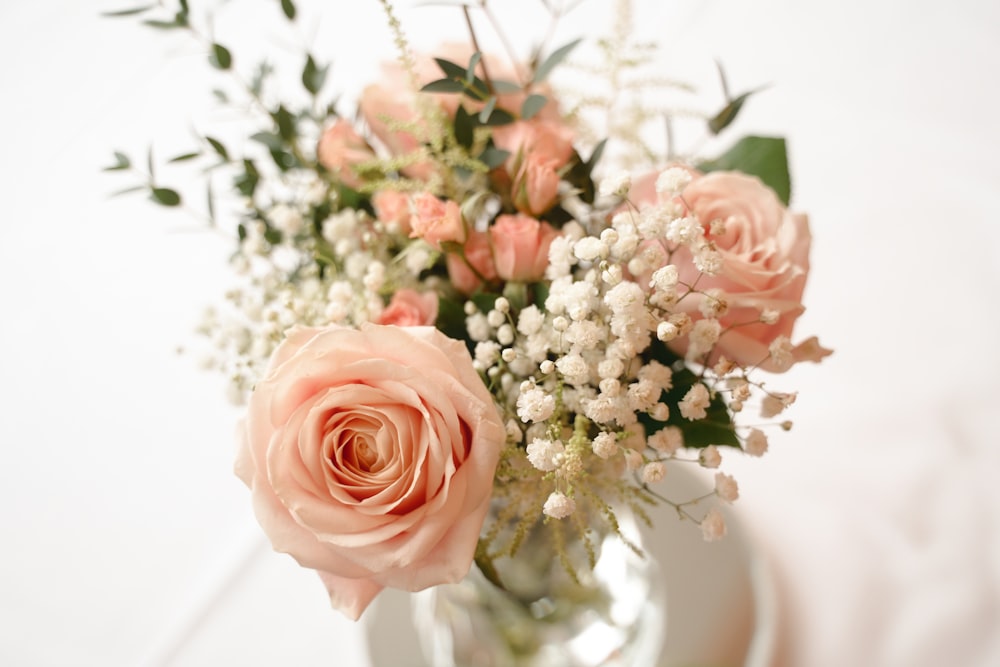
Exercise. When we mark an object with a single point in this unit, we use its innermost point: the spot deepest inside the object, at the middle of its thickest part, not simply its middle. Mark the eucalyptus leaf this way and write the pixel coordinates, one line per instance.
(443, 86)
(504, 87)
(470, 71)
(763, 157)
(165, 196)
(269, 139)
(220, 58)
(246, 182)
(122, 162)
(556, 57)
(596, 154)
(218, 148)
(126, 191)
(313, 76)
(452, 70)
(499, 117)
(493, 157)
(487, 110)
(185, 157)
(532, 105)
(464, 127)
(128, 12)
(727, 115)
(288, 7)
(210, 201)
(285, 122)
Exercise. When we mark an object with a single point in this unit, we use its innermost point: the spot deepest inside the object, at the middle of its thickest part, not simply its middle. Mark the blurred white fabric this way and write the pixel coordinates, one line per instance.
(127, 541)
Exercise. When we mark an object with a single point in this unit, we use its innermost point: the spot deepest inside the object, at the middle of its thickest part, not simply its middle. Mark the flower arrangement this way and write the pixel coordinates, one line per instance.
(461, 319)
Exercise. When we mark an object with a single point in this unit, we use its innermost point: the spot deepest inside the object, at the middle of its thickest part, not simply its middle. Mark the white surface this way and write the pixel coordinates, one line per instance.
(127, 541)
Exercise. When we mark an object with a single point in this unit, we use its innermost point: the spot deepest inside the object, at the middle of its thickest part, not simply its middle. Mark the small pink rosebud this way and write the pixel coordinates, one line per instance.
(409, 308)
(436, 221)
(477, 253)
(392, 207)
(521, 247)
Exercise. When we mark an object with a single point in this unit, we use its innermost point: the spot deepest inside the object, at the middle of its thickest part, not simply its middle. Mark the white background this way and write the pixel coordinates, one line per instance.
(125, 538)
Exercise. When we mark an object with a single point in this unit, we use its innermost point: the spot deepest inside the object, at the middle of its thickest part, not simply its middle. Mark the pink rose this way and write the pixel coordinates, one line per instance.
(392, 207)
(535, 188)
(384, 110)
(436, 221)
(370, 456)
(478, 253)
(550, 139)
(521, 247)
(765, 263)
(339, 149)
(408, 308)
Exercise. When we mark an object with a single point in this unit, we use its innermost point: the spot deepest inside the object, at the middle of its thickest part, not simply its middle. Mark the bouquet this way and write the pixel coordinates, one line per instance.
(463, 315)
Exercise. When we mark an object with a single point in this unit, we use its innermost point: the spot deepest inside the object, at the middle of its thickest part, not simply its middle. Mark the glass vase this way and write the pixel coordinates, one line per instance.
(611, 615)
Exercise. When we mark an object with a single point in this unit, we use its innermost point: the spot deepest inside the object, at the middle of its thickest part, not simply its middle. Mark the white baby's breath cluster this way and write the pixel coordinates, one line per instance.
(596, 403)
(291, 271)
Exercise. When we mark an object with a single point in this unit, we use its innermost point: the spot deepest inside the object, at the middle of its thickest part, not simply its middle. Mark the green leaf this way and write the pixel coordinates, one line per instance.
(185, 157)
(264, 70)
(451, 70)
(218, 148)
(727, 115)
(210, 200)
(288, 7)
(127, 191)
(470, 71)
(285, 122)
(184, 7)
(313, 76)
(532, 105)
(128, 12)
(464, 127)
(246, 183)
(165, 196)
(763, 157)
(493, 157)
(498, 117)
(122, 162)
(283, 160)
(504, 87)
(488, 108)
(220, 95)
(220, 57)
(180, 21)
(717, 426)
(269, 139)
(272, 235)
(596, 155)
(443, 86)
(472, 86)
(556, 57)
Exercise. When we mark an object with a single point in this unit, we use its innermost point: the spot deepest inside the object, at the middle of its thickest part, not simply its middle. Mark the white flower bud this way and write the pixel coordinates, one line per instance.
(559, 505)
(713, 526)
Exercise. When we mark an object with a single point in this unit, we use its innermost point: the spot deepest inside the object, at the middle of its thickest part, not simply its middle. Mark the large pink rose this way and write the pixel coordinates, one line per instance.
(521, 247)
(370, 456)
(765, 263)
